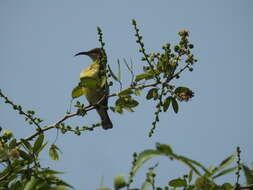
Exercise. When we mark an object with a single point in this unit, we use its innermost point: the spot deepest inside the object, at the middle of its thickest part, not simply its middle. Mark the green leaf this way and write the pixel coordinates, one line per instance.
(164, 148)
(181, 89)
(144, 157)
(126, 102)
(190, 176)
(53, 152)
(125, 92)
(174, 105)
(224, 172)
(153, 72)
(60, 187)
(226, 162)
(16, 185)
(177, 183)
(77, 92)
(223, 164)
(188, 163)
(248, 174)
(13, 144)
(197, 164)
(50, 172)
(88, 82)
(166, 103)
(41, 148)
(204, 183)
(145, 185)
(190, 187)
(143, 76)
(24, 155)
(152, 93)
(38, 143)
(132, 103)
(226, 186)
(117, 109)
(30, 185)
(160, 65)
(137, 92)
(58, 181)
(26, 144)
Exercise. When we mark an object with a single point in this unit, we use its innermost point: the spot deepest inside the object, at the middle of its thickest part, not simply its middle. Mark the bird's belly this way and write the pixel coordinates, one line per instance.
(93, 95)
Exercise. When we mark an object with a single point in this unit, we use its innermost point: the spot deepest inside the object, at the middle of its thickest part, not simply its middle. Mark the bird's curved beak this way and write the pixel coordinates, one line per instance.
(82, 53)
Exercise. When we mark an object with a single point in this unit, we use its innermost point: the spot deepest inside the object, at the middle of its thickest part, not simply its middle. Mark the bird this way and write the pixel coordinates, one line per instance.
(97, 95)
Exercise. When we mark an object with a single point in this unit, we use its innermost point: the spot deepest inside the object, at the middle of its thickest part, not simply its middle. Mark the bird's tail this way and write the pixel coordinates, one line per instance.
(106, 121)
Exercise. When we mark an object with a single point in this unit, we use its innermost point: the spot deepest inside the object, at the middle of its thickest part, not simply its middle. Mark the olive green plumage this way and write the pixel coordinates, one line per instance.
(96, 94)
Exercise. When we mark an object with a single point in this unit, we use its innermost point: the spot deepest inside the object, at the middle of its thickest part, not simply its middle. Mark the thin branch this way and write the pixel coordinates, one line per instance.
(57, 123)
(9, 172)
(180, 71)
(5, 176)
(136, 87)
(142, 49)
(243, 187)
(21, 112)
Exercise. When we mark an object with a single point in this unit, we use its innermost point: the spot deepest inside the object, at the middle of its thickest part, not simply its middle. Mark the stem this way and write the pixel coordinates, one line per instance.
(244, 187)
(56, 124)
(180, 71)
(139, 41)
(21, 112)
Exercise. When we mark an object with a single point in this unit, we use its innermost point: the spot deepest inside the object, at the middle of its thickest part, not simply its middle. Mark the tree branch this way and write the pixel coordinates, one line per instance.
(180, 71)
(243, 187)
(57, 123)
(21, 112)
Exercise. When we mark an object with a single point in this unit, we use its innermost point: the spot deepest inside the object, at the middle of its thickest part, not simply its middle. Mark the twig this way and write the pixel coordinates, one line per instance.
(142, 49)
(6, 176)
(243, 187)
(180, 71)
(56, 124)
(9, 172)
(19, 108)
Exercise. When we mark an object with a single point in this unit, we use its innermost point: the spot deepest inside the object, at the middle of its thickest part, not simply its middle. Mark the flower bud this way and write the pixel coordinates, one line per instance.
(7, 133)
(119, 182)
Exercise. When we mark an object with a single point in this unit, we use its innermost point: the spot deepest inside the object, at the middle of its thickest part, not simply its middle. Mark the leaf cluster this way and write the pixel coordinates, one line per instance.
(22, 168)
(158, 73)
(199, 177)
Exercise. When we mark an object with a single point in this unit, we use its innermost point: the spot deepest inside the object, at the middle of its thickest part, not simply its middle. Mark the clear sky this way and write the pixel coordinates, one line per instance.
(37, 43)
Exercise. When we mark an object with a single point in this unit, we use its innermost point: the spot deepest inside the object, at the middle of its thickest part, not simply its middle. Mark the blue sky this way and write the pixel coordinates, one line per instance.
(38, 70)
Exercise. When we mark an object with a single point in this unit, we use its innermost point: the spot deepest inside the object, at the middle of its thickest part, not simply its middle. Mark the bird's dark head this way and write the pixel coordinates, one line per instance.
(94, 54)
